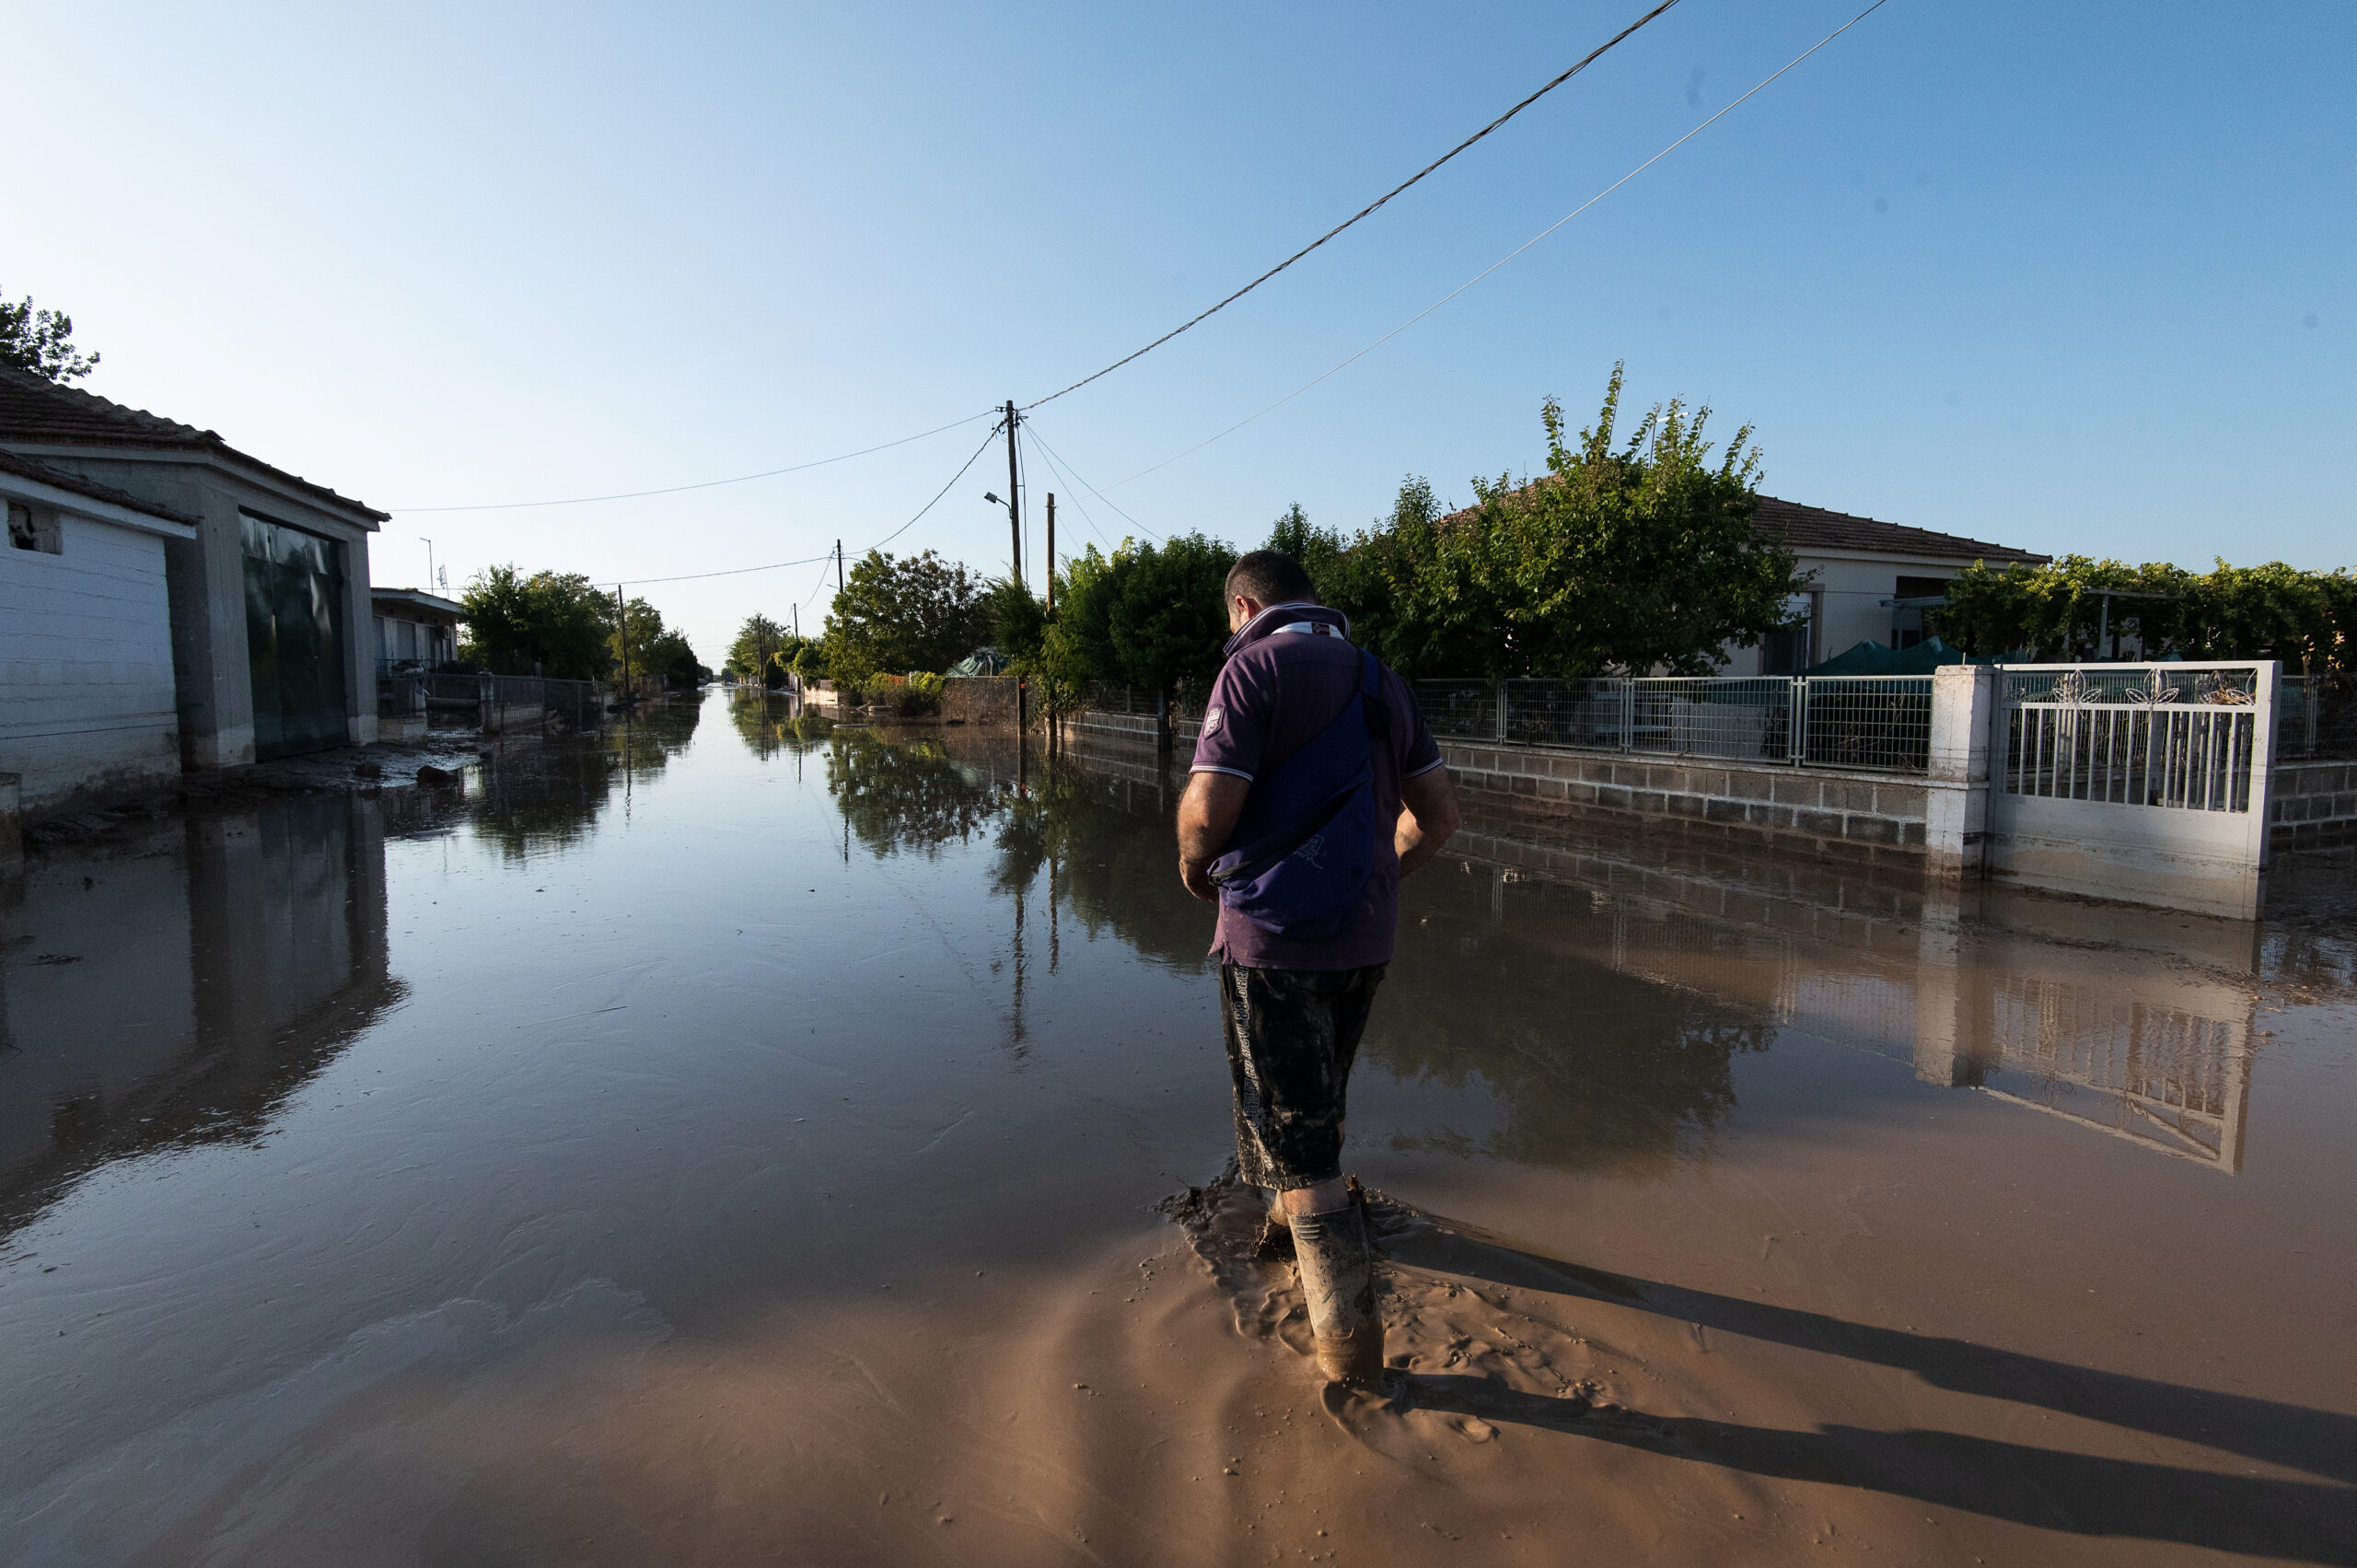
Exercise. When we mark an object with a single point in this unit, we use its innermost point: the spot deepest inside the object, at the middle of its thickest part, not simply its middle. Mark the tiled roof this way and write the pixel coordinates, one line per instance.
(37, 412)
(59, 478)
(1802, 528)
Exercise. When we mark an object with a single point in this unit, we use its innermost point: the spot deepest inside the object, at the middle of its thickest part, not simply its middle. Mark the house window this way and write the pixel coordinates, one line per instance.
(30, 529)
(1787, 651)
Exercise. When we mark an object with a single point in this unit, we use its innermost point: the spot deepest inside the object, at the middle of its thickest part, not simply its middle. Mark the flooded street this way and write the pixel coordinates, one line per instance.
(732, 1140)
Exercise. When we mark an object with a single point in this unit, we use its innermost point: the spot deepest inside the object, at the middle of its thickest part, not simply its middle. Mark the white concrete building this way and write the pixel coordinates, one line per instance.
(1861, 572)
(272, 638)
(87, 699)
(416, 629)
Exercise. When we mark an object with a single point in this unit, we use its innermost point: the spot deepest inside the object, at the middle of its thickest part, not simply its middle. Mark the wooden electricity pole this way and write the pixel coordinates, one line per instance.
(1013, 494)
(1051, 553)
(622, 636)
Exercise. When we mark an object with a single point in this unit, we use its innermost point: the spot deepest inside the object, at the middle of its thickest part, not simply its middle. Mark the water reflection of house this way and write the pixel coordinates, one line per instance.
(270, 629)
(182, 985)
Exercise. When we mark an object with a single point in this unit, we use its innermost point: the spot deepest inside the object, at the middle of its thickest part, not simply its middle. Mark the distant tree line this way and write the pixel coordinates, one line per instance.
(561, 625)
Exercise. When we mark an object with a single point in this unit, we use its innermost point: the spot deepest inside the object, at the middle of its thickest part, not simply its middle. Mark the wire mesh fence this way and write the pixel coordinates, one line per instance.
(1872, 723)
(497, 702)
(1868, 722)
(2315, 718)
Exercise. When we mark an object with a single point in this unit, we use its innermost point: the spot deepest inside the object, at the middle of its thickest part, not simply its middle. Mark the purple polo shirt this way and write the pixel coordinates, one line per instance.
(1277, 691)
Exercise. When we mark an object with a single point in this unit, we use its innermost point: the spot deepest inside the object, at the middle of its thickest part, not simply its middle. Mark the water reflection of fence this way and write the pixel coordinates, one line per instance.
(1880, 723)
(2156, 1075)
(497, 703)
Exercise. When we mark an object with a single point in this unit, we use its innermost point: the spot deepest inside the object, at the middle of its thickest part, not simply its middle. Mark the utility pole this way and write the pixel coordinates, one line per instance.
(429, 563)
(1051, 553)
(1014, 493)
(622, 636)
(839, 567)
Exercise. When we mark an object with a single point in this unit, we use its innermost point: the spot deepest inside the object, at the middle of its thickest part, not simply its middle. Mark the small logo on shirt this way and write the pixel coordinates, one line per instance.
(1212, 718)
(1312, 849)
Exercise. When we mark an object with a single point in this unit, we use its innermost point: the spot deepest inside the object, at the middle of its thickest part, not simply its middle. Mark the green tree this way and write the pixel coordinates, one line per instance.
(1639, 557)
(2057, 611)
(42, 341)
(555, 621)
(921, 613)
(1148, 615)
(763, 645)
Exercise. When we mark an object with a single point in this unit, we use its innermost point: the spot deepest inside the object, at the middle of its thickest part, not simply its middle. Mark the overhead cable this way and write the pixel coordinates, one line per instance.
(1073, 474)
(1593, 57)
(1501, 261)
(701, 484)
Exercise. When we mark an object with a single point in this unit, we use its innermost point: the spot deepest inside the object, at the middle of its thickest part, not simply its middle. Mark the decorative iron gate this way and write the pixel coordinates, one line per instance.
(2126, 779)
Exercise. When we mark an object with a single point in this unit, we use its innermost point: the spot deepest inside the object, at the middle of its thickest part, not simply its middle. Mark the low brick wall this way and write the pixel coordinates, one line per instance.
(1868, 817)
(2312, 806)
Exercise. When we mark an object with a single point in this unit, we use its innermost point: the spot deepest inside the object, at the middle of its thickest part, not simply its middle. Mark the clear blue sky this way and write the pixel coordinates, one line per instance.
(2074, 278)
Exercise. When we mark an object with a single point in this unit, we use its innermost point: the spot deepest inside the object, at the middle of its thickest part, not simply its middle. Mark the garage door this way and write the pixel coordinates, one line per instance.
(294, 638)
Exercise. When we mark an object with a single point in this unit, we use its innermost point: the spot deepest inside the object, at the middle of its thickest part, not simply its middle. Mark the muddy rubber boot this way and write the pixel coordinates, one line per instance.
(1337, 1270)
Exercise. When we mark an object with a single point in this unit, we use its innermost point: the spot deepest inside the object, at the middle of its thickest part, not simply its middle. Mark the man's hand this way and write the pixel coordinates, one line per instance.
(1207, 815)
(1428, 818)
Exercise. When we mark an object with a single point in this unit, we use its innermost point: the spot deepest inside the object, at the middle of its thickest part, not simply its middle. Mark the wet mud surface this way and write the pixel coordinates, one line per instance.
(739, 1140)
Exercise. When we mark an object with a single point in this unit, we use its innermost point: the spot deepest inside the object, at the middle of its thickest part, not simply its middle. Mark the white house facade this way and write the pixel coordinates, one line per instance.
(416, 629)
(272, 637)
(1862, 573)
(88, 706)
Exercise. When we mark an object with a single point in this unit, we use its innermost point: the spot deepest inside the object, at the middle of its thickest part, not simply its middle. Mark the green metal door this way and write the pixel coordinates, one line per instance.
(294, 638)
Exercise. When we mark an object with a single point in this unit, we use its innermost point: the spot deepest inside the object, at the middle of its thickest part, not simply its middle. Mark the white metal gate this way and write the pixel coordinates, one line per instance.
(2145, 782)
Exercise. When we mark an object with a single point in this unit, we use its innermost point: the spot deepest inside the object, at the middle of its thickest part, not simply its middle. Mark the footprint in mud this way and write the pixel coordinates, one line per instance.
(1466, 1356)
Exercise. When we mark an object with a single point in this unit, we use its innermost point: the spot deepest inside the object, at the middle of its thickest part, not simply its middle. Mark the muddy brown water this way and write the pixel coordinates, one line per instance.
(734, 1143)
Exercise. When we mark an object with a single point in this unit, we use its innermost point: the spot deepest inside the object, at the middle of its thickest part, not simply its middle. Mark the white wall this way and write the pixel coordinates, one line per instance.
(87, 699)
(1850, 592)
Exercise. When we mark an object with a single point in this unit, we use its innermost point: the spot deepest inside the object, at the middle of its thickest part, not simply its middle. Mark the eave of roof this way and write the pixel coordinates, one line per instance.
(60, 479)
(1805, 528)
(38, 411)
(422, 600)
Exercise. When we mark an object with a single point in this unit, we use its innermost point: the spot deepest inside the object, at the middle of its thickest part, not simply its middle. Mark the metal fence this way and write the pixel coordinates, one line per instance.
(1879, 722)
(1139, 700)
(492, 701)
(2315, 718)
(401, 696)
(2150, 737)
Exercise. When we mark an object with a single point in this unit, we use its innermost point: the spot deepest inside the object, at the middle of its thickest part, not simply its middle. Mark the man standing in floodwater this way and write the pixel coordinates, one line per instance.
(1315, 787)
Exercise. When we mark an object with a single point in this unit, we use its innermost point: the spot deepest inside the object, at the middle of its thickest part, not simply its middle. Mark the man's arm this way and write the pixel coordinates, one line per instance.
(1428, 818)
(1207, 815)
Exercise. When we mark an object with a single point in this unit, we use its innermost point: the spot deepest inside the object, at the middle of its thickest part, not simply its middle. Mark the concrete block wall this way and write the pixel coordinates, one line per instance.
(2312, 806)
(1865, 817)
(88, 703)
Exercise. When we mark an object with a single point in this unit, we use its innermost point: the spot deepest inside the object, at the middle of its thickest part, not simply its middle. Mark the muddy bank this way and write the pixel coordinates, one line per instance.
(730, 1144)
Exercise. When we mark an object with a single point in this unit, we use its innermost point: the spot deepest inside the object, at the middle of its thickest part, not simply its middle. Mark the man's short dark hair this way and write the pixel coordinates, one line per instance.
(1270, 577)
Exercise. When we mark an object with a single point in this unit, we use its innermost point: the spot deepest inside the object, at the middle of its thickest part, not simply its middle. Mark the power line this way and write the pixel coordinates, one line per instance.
(1595, 54)
(701, 484)
(1073, 474)
(774, 565)
(1509, 256)
(1054, 467)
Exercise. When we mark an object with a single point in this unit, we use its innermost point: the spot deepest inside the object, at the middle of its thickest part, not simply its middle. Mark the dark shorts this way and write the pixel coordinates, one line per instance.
(1292, 1035)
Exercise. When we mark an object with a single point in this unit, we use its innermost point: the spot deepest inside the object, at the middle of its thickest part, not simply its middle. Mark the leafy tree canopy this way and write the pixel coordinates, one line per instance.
(1639, 557)
(556, 621)
(1148, 615)
(2056, 613)
(921, 613)
(42, 341)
